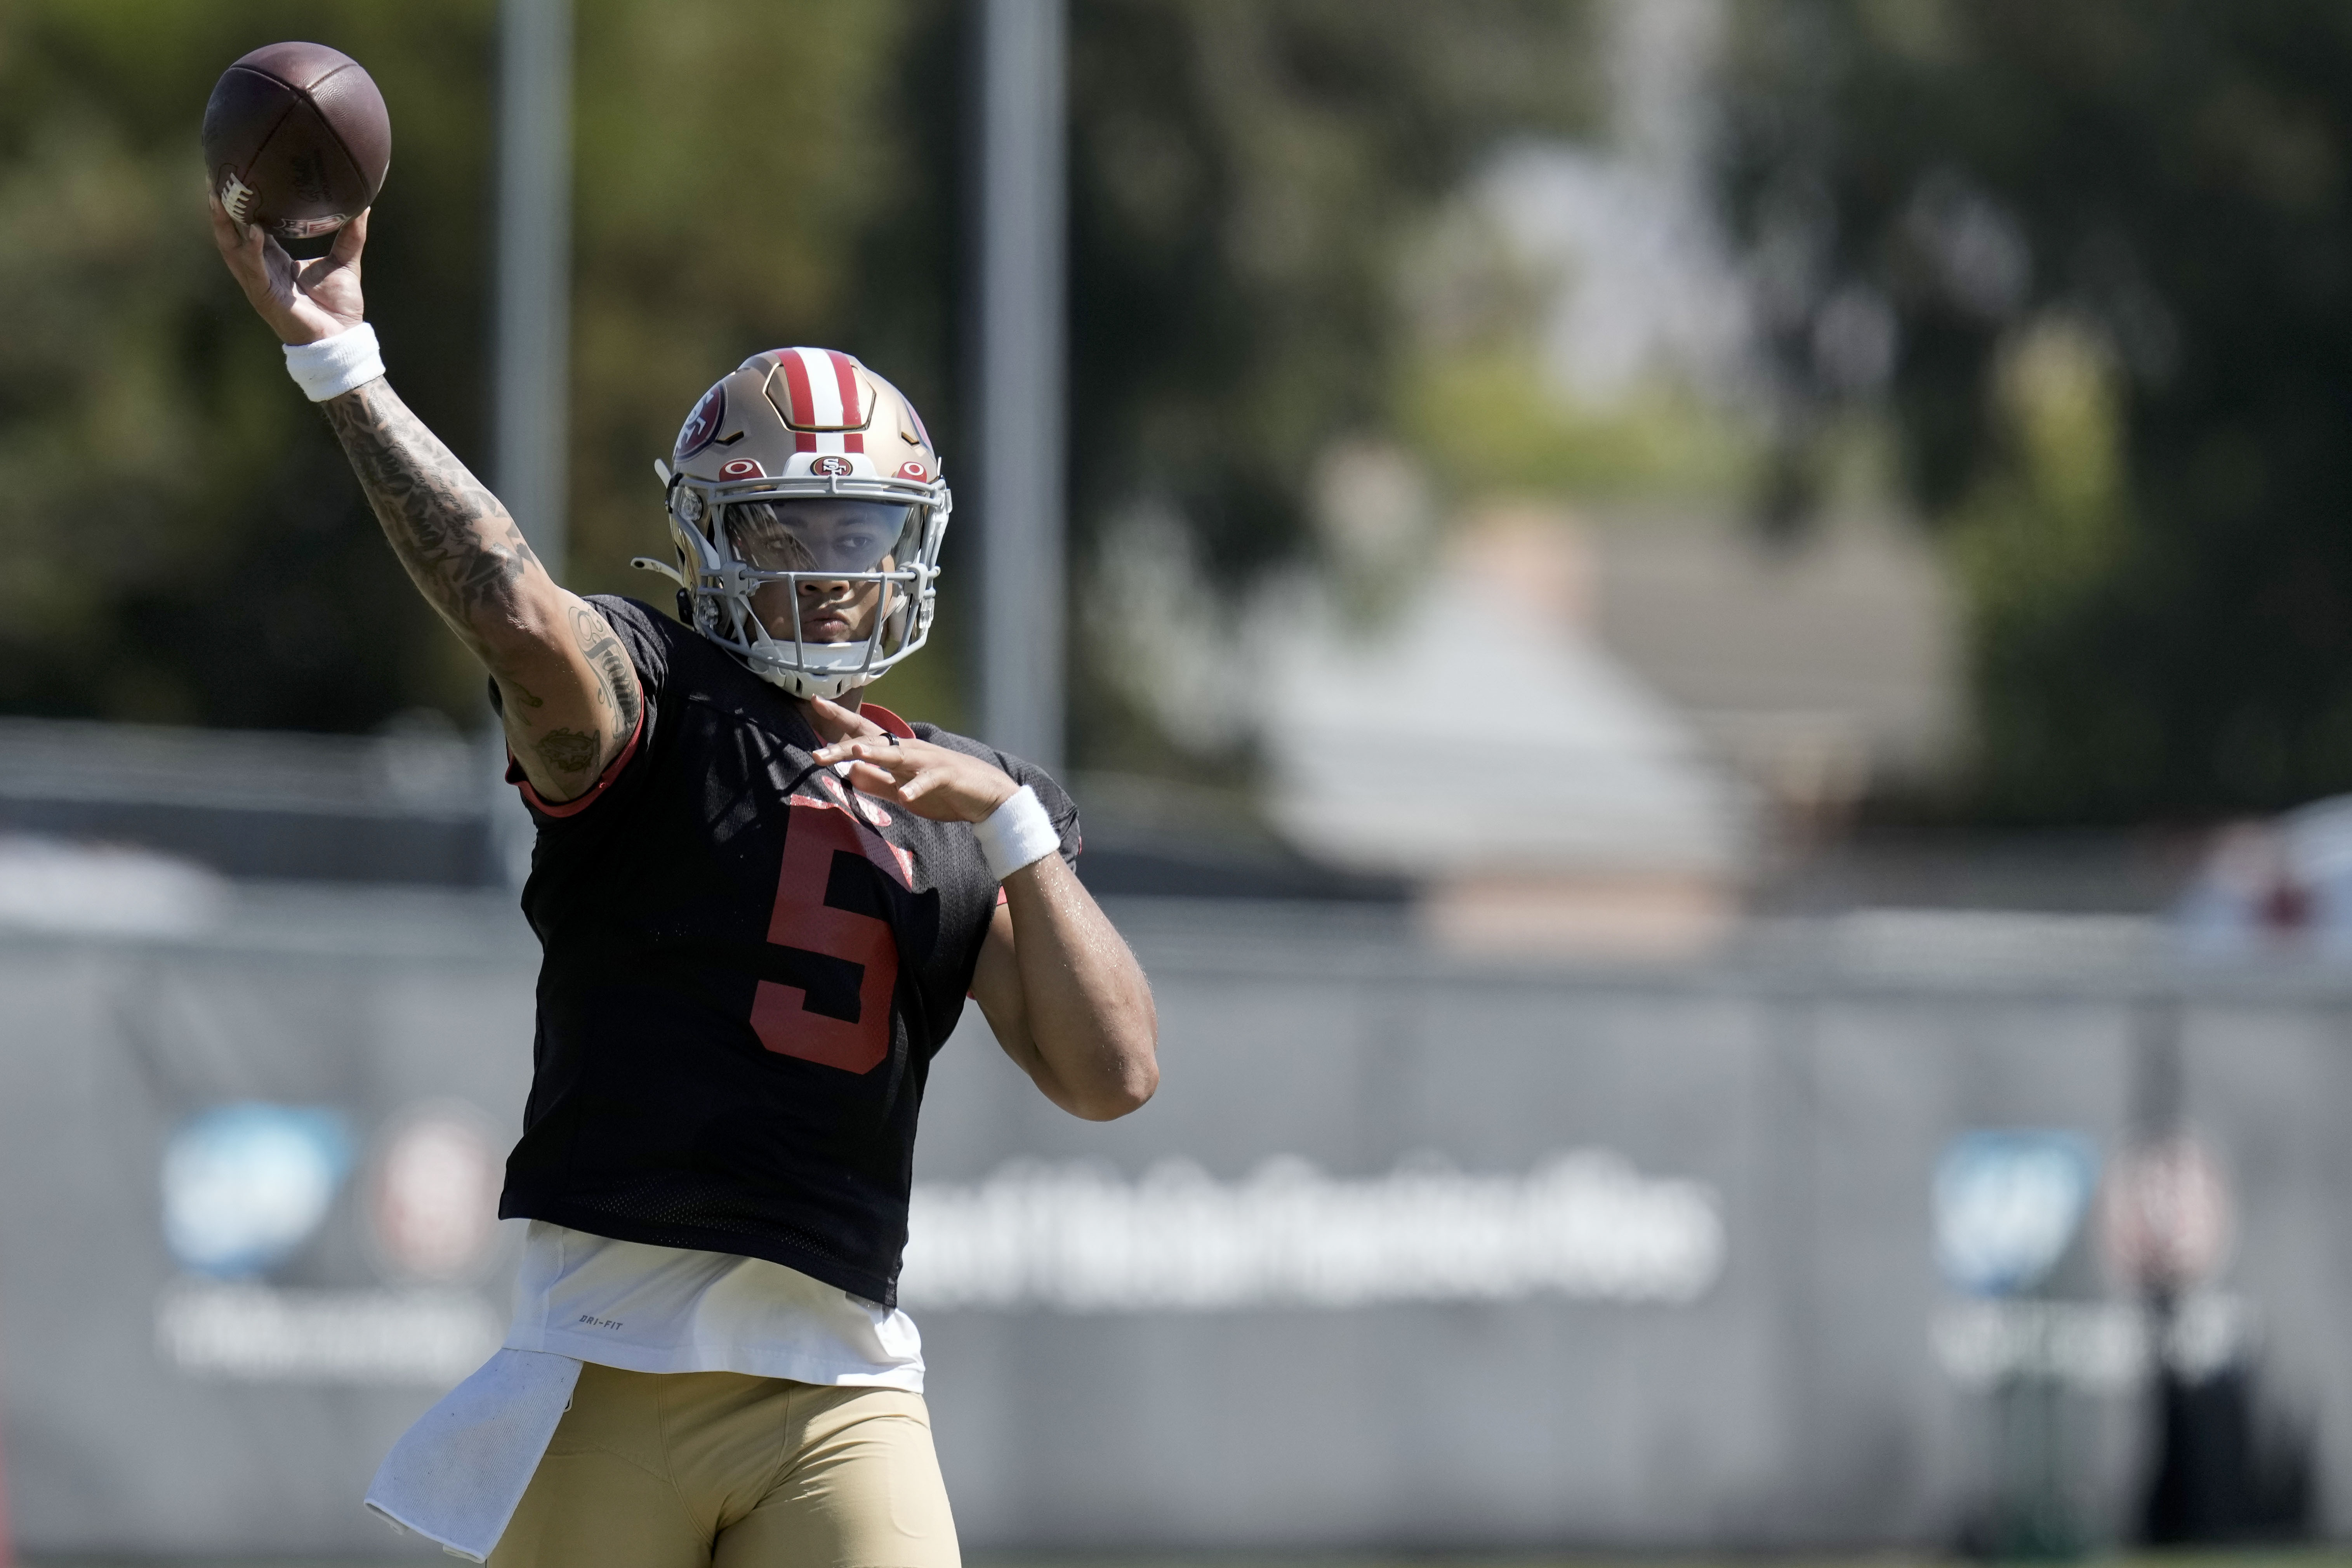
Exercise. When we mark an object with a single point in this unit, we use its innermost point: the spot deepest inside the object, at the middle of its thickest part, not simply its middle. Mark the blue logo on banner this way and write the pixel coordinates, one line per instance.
(244, 1185)
(2007, 1205)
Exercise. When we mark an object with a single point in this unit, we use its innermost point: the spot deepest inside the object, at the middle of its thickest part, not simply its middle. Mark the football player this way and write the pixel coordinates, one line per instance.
(762, 902)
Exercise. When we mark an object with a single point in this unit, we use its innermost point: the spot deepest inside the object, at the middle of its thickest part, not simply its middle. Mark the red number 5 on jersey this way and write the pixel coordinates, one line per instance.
(815, 834)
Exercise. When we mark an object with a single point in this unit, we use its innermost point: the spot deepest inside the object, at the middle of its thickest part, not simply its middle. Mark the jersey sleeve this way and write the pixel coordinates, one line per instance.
(1060, 809)
(640, 631)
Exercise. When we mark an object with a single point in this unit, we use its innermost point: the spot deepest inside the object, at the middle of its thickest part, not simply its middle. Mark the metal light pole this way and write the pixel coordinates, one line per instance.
(531, 344)
(534, 270)
(1018, 396)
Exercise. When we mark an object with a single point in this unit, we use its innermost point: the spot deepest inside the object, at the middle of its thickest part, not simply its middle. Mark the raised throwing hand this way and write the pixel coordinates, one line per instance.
(303, 301)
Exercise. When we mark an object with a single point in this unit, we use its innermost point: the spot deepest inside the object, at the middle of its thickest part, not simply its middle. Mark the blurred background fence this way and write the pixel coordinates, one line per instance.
(1838, 1239)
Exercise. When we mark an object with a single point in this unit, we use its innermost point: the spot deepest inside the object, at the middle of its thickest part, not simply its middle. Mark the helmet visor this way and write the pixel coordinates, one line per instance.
(822, 533)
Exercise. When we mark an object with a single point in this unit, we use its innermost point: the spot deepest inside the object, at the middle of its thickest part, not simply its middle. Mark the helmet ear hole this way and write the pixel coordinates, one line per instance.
(684, 608)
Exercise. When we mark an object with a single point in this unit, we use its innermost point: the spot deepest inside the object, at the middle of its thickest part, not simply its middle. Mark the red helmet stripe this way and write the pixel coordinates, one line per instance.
(796, 381)
(852, 411)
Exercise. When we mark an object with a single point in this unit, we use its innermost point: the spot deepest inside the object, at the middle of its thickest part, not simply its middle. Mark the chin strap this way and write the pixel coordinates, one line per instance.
(684, 596)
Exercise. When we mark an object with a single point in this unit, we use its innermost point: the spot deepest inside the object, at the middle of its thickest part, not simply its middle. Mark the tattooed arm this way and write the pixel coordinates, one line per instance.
(571, 695)
(570, 692)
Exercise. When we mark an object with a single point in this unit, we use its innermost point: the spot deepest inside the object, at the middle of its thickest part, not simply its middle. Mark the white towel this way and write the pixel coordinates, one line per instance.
(458, 1474)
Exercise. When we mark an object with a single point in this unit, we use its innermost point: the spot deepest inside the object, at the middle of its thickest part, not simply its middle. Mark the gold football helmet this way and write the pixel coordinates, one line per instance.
(806, 507)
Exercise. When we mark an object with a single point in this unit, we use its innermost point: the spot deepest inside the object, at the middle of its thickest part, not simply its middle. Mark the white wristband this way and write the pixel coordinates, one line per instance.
(333, 366)
(1017, 834)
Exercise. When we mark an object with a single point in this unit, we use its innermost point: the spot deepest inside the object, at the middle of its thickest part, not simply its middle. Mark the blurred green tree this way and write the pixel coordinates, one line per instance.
(1246, 179)
(183, 541)
(2112, 241)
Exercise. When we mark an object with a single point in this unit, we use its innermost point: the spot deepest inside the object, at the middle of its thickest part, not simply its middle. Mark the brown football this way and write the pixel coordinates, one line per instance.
(297, 139)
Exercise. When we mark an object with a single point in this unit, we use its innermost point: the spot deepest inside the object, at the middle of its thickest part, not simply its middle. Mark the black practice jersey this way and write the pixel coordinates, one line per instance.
(748, 968)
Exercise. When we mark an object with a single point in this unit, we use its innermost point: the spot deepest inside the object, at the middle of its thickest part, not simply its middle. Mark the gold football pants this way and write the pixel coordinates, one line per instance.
(716, 1469)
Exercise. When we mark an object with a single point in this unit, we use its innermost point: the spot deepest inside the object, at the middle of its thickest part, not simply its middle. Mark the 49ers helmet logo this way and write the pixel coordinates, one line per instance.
(701, 424)
(831, 468)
